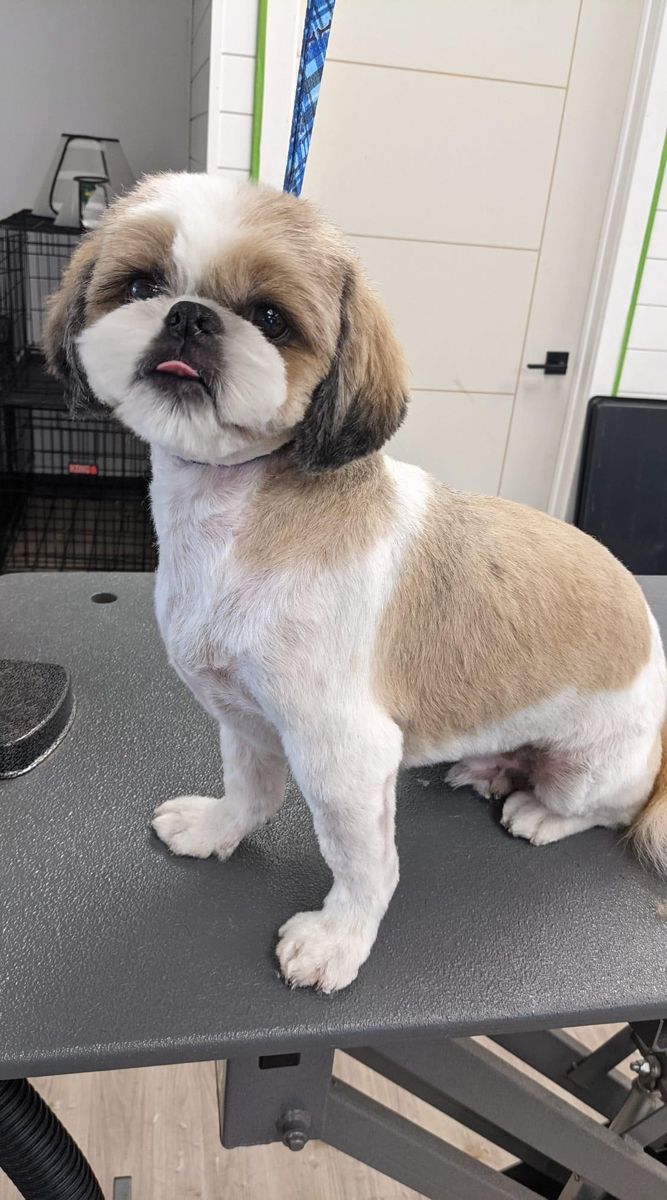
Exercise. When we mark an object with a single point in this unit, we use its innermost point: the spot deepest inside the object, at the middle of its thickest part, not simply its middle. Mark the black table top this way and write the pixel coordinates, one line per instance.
(115, 953)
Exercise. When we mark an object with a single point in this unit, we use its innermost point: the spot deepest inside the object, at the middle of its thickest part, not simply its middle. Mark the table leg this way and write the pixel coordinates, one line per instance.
(274, 1098)
(562, 1058)
(388, 1142)
(430, 1090)
(501, 1094)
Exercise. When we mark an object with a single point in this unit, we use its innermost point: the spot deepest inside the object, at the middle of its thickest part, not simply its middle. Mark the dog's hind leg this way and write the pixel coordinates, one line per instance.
(571, 794)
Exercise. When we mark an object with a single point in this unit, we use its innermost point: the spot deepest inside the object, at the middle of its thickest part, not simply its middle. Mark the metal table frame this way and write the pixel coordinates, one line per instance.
(562, 1151)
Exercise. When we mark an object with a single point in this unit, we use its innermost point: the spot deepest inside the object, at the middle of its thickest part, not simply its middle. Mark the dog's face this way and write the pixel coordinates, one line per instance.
(221, 321)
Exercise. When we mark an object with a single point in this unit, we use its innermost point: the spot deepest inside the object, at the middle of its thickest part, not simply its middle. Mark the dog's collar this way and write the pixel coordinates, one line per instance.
(195, 462)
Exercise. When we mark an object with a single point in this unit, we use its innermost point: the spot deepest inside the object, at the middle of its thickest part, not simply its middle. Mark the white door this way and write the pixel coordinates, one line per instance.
(467, 147)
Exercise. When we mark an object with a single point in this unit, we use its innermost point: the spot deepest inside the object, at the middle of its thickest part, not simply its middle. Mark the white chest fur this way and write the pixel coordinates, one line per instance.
(200, 591)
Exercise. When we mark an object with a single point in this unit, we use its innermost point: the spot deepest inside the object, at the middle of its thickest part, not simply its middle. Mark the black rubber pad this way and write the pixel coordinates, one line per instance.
(35, 710)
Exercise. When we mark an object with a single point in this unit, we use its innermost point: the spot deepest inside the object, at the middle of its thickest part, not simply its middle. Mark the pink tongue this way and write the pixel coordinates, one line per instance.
(174, 366)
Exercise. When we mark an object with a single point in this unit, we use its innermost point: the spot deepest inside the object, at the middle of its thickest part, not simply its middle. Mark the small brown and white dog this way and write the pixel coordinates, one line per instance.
(332, 609)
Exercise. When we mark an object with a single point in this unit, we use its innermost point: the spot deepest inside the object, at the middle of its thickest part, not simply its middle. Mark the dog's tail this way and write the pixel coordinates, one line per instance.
(649, 828)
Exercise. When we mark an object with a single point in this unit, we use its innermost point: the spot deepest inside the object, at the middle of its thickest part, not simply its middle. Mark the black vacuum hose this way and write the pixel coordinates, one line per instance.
(37, 1152)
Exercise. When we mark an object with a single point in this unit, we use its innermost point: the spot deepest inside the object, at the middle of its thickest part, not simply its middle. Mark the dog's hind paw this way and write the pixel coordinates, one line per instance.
(525, 817)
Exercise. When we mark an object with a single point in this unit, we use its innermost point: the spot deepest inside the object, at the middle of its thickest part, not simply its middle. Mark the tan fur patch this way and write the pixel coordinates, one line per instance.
(497, 607)
(61, 308)
(297, 519)
(377, 368)
(253, 270)
(140, 244)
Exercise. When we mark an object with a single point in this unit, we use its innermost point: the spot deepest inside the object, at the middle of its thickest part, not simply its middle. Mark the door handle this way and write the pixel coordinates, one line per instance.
(556, 363)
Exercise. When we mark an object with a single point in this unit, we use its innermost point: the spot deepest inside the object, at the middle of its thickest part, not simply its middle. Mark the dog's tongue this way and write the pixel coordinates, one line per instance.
(174, 366)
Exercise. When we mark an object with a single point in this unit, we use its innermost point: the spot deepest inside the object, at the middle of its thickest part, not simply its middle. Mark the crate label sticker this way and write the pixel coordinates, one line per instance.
(82, 469)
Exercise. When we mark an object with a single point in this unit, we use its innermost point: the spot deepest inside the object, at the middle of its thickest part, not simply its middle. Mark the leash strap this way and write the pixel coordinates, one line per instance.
(316, 30)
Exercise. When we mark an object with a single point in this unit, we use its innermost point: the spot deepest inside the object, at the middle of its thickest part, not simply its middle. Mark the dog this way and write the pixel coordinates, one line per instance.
(331, 608)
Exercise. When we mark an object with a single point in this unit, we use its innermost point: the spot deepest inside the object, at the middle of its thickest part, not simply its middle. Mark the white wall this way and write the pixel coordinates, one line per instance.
(119, 68)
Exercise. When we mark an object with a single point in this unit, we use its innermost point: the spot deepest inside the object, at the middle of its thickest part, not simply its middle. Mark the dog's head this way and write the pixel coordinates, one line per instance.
(221, 320)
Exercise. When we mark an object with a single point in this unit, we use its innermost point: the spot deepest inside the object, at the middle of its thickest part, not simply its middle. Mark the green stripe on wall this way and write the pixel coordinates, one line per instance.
(258, 97)
(640, 268)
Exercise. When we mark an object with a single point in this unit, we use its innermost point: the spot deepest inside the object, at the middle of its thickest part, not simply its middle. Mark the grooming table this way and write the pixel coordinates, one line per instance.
(116, 954)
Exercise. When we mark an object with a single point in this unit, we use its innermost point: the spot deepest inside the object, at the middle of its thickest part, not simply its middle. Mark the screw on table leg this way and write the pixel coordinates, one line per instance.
(640, 1067)
(294, 1127)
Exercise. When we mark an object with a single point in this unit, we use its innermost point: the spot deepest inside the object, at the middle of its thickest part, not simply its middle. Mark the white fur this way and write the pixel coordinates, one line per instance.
(112, 346)
(525, 817)
(206, 212)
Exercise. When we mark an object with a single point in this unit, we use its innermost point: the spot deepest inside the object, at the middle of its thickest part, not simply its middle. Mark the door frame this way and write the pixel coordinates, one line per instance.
(621, 236)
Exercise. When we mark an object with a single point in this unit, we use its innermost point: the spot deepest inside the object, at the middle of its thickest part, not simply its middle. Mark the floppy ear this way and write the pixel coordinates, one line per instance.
(65, 318)
(363, 398)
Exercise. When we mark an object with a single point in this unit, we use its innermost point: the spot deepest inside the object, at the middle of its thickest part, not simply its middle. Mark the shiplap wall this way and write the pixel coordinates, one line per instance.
(200, 70)
(645, 366)
(232, 82)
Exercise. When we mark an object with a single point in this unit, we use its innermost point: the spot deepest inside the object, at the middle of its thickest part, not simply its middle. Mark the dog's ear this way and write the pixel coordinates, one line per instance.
(363, 398)
(65, 319)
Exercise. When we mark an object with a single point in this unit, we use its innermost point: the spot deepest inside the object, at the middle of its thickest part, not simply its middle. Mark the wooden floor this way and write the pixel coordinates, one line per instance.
(160, 1126)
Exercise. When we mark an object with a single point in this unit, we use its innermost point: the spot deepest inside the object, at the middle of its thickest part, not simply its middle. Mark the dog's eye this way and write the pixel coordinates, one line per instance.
(142, 287)
(271, 321)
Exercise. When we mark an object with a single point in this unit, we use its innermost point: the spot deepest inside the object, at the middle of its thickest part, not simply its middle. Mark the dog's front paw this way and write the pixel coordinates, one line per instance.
(320, 950)
(198, 826)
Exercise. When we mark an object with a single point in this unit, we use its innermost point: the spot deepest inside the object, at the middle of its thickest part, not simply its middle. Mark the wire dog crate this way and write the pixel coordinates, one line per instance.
(73, 489)
(73, 493)
(33, 255)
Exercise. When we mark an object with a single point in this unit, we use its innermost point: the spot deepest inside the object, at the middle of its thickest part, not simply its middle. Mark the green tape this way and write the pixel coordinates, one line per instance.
(640, 268)
(258, 95)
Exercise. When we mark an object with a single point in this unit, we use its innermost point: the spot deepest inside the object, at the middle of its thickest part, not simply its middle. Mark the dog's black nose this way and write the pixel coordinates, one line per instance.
(189, 319)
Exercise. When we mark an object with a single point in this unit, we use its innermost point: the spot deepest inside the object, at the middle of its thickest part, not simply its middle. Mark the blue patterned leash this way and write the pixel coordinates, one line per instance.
(316, 30)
